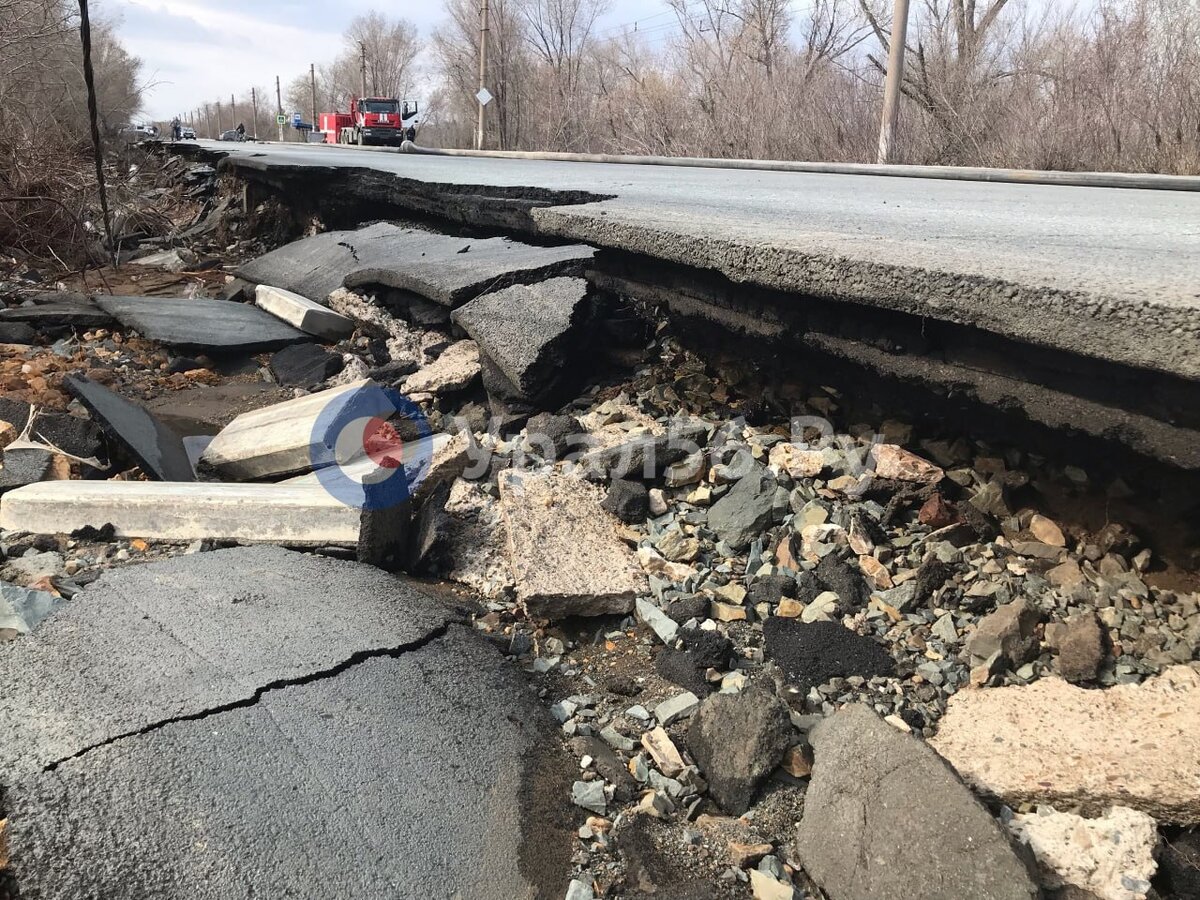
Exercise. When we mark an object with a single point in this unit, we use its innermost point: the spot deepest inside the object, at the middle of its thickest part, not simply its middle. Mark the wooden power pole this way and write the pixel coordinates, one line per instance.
(233, 122)
(279, 110)
(362, 47)
(483, 36)
(891, 86)
(254, 103)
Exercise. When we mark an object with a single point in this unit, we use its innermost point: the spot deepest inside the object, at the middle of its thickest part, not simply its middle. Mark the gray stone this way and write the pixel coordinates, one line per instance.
(1009, 631)
(446, 269)
(590, 796)
(659, 622)
(158, 450)
(23, 609)
(307, 315)
(531, 332)
(738, 740)
(675, 708)
(212, 325)
(647, 455)
(746, 511)
(884, 816)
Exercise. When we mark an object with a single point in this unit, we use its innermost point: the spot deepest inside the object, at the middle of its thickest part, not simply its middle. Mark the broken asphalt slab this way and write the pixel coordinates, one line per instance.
(173, 745)
(213, 325)
(59, 315)
(159, 451)
(446, 269)
(529, 331)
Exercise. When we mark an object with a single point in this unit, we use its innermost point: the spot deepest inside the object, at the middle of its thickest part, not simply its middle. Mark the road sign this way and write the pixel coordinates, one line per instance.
(296, 120)
(484, 96)
(281, 120)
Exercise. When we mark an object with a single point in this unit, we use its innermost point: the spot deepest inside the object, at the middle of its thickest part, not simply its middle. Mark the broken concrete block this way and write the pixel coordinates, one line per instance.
(303, 515)
(277, 440)
(566, 557)
(159, 451)
(443, 268)
(1051, 742)
(530, 331)
(1111, 856)
(213, 325)
(309, 317)
(863, 837)
(453, 370)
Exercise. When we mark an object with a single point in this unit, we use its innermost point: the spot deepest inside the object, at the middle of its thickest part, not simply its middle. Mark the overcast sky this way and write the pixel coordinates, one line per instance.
(197, 50)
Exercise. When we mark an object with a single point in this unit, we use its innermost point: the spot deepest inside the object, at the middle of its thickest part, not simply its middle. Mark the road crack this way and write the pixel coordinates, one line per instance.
(350, 662)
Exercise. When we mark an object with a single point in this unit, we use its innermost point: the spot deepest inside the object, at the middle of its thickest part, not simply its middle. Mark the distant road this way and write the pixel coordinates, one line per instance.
(1112, 274)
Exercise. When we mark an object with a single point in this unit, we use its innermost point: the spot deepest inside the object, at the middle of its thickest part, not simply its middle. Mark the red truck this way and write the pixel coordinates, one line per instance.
(371, 120)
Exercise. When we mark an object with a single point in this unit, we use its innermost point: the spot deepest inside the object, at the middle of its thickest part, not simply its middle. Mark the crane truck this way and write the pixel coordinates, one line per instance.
(371, 120)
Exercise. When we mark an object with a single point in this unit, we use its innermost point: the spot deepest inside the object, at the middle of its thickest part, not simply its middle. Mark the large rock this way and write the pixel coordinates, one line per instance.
(1009, 632)
(1052, 742)
(217, 326)
(746, 511)
(738, 740)
(885, 817)
(446, 269)
(1111, 856)
(158, 450)
(563, 548)
(256, 722)
(531, 332)
(811, 653)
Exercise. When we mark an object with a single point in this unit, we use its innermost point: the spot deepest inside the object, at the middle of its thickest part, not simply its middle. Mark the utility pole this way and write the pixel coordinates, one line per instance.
(218, 118)
(312, 77)
(891, 87)
(483, 35)
(233, 122)
(254, 103)
(279, 105)
(362, 46)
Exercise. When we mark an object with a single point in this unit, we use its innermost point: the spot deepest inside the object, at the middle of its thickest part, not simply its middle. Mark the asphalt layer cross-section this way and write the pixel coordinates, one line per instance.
(258, 722)
(1102, 272)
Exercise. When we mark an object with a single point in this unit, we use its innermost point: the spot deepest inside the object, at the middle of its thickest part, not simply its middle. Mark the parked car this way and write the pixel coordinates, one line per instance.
(139, 132)
(232, 135)
(187, 133)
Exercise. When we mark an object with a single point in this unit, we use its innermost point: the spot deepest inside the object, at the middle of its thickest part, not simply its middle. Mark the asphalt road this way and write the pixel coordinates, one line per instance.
(257, 722)
(1108, 273)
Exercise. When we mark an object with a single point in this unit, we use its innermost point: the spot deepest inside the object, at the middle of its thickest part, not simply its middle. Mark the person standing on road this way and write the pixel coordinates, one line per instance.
(176, 129)
(241, 130)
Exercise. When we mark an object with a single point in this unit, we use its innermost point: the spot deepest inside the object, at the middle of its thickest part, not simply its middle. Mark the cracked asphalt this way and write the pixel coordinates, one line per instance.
(261, 722)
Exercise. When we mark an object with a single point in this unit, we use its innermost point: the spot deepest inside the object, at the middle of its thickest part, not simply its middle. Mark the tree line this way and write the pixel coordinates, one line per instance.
(1103, 85)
